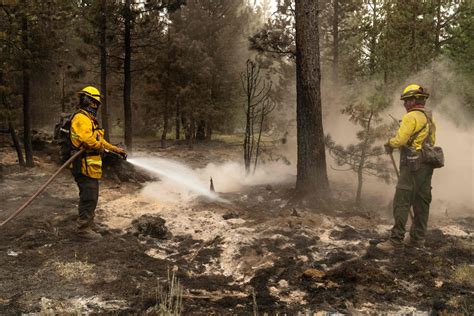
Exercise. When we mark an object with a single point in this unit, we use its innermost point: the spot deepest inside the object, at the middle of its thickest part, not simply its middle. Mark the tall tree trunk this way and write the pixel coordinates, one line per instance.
(177, 122)
(63, 90)
(208, 131)
(373, 39)
(165, 126)
(413, 49)
(248, 134)
(335, 44)
(26, 95)
(127, 84)
(103, 67)
(437, 43)
(166, 114)
(201, 130)
(11, 126)
(192, 132)
(259, 139)
(437, 51)
(185, 124)
(385, 63)
(312, 176)
(16, 142)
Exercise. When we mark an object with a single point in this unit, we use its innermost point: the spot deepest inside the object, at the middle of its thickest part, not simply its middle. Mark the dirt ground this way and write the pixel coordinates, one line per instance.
(259, 253)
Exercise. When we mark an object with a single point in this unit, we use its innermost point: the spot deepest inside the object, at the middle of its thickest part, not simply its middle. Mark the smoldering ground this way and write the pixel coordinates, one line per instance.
(292, 259)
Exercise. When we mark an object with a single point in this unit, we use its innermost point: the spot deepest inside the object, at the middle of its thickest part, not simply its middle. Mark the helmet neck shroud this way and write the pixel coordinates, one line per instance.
(88, 104)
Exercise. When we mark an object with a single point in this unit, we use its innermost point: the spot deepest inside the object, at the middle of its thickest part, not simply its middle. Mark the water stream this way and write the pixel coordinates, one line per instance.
(178, 173)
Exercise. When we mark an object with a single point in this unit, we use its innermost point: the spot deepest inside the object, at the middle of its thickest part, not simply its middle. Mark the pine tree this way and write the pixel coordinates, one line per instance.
(312, 177)
(365, 157)
(31, 38)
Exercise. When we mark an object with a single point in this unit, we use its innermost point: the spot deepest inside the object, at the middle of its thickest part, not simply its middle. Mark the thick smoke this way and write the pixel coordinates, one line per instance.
(452, 185)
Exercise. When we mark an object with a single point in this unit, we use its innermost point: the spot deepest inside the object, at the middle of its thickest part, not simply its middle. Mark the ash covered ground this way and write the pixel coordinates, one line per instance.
(258, 252)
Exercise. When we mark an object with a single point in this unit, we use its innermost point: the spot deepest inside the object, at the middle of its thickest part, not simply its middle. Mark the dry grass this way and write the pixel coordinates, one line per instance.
(464, 274)
(74, 270)
(169, 299)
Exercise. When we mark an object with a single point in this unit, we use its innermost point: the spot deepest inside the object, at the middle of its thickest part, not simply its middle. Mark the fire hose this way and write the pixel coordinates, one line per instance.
(34, 196)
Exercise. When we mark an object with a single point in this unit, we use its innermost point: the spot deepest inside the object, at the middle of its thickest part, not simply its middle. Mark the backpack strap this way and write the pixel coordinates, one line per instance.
(70, 128)
(432, 127)
(415, 135)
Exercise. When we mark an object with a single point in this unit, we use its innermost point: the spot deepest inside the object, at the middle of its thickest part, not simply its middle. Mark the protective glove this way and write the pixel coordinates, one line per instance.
(388, 148)
(121, 152)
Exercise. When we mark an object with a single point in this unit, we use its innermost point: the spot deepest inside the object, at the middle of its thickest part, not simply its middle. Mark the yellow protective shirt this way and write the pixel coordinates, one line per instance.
(413, 122)
(85, 133)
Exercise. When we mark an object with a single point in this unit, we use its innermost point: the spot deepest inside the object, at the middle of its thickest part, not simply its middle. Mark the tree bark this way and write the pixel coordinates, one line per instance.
(437, 50)
(103, 67)
(26, 96)
(413, 44)
(16, 142)
(166, 115)
(192, 132)
(165, 123)
(177, 122)
(248, 135)
(208, 131)
(63, 90)
(127, 84)
(201, 130)
(438, 29)
(312, 176)
(335, 44)
(373, 39)
(11, 126)
(259, 139)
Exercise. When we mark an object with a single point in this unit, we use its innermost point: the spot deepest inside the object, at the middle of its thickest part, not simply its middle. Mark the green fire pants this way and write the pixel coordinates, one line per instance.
(88, 198)
(413, 189)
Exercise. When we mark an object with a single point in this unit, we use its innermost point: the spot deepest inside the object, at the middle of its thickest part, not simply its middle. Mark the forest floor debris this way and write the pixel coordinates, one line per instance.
(291, 258)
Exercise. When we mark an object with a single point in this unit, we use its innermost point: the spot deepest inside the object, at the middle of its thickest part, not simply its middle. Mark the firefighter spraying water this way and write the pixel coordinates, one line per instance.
(82, 146)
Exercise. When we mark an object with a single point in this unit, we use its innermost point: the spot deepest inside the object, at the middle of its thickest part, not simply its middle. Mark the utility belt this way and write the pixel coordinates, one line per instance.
(77, 164)
(429, 155)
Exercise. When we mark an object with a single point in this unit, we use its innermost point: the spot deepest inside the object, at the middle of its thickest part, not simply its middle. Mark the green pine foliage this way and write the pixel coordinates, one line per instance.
(366, 156)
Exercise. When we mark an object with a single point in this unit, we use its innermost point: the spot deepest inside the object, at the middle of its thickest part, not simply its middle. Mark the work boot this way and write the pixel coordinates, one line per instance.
(388, 246)
(98, 228)
(87, 233)
(413, 243)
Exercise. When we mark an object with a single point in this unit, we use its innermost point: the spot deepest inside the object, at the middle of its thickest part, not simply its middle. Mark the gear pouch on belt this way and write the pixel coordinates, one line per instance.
(433, 156)
(413, 159)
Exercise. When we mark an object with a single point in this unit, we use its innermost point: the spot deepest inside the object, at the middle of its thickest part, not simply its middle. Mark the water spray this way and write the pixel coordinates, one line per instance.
(178, 173)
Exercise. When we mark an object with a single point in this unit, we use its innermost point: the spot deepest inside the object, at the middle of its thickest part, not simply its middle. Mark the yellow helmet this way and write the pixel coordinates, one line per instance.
(92, 92)
(414, 91)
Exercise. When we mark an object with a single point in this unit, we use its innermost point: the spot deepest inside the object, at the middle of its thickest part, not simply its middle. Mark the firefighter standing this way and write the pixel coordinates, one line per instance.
(87, 170)
(414, 184)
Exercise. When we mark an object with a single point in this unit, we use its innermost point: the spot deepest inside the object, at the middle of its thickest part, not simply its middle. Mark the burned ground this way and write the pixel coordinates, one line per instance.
(288, 257)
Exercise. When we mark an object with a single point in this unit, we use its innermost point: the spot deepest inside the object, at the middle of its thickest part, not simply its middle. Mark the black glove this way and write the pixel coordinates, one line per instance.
(121, 152)
(388, 148)
(119, 155)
